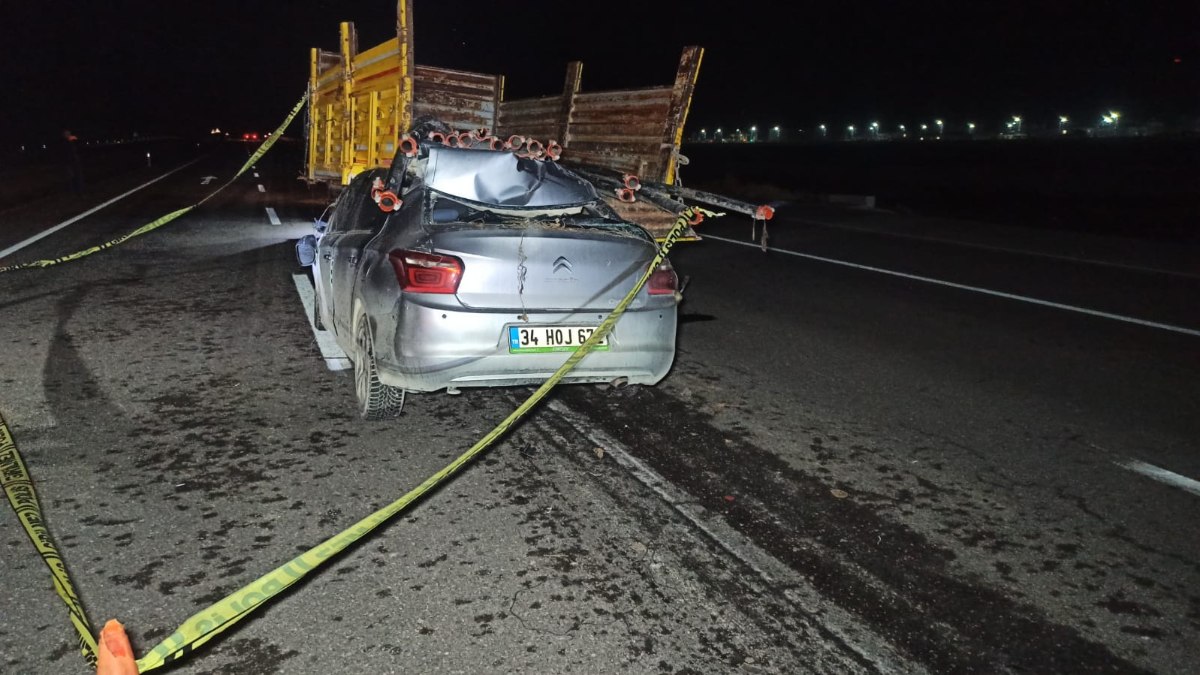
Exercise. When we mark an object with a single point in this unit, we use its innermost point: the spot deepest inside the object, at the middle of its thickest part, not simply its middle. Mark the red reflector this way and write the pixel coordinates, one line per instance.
(663, 280)
(420, 272)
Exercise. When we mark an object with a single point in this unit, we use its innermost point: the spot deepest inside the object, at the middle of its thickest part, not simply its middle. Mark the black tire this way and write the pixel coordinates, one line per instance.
(376, 400)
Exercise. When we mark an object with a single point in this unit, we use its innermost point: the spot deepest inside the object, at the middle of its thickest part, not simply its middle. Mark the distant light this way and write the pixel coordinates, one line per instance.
(901, 127)
(1017, 119)
(822, 127)
(1063, 119)
(1106, 119)
(1178, 59)
(971, 126)
(850, 128)
(924, 127)
(1064, 132)
(753, 128)
(938, 122)
(775, 128)
(718, 130)
(874, 125)
(1114, 114)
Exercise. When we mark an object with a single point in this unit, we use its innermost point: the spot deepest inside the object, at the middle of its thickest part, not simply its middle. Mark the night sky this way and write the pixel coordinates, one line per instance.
(166, 66)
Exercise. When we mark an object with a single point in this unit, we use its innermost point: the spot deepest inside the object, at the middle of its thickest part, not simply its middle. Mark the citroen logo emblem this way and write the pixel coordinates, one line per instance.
(560, 264)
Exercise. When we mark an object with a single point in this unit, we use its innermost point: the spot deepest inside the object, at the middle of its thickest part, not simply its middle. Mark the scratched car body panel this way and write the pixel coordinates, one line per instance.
(484, 241)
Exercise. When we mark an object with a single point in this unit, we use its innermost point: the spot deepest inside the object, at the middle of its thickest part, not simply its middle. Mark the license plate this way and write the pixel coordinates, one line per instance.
(544, 339)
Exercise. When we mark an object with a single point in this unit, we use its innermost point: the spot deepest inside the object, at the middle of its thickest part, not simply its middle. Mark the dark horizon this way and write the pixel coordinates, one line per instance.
(150, 68)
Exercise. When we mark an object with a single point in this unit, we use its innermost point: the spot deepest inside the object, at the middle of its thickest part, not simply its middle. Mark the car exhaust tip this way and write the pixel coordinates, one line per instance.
(619, 382)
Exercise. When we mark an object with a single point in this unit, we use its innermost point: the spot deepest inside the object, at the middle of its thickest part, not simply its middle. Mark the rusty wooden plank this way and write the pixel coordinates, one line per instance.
(452, 99)
(426, 88)
(545, 104)
(611, 157)
(641, 143)
(461, 77)
(627, 94)
(402, 116)
(616, 124)
(621, 115)
(657, 221)
(566, 114)
(446, 93)
(681, 102)
(420, 84)
(482, 111)
(526, 125)
(541, 133)
(602, 107)
(649, 129)
(457, 117)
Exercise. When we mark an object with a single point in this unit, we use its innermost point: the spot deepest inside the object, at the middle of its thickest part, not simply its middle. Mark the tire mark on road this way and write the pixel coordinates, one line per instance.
(904, 589)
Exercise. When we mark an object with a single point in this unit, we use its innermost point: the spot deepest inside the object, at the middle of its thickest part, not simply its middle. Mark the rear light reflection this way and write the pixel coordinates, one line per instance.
(663, 280)
(420, 272)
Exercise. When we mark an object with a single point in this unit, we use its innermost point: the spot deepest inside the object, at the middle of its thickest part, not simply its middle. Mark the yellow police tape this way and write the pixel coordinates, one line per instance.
(207, 624)
(18, 486)
(262, 150)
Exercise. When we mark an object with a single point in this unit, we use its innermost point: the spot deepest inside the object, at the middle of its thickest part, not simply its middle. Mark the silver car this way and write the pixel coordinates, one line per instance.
(477, 268)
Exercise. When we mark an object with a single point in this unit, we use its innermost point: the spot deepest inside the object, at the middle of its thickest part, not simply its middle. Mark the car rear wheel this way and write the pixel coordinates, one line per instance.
(376, 400)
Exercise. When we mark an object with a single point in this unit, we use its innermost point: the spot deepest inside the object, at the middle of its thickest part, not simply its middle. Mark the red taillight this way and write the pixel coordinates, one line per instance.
(420, 272)
(663, 280)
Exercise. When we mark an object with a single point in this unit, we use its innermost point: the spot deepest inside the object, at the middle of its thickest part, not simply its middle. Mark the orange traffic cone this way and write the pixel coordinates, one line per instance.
(116, 656)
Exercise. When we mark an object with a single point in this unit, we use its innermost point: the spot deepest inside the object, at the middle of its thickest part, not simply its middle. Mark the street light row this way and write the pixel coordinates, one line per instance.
(1013, 126)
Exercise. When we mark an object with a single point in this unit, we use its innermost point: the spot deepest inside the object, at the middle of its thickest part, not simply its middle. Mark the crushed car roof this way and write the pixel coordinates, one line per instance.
(505, 180)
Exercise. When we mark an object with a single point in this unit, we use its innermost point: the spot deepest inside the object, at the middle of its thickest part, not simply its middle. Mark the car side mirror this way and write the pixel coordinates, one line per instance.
(306, 250)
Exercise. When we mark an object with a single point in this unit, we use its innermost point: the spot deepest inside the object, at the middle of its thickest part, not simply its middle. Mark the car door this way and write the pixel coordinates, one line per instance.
(327, 252)
(360, 218)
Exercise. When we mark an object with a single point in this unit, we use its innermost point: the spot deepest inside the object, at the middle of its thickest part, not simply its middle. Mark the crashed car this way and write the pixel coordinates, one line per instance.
(475, 268)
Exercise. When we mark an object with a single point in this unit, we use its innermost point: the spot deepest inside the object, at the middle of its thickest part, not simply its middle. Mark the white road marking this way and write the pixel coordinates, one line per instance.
(335, 358)
(1162, 475)
(46, 233)
(1001, 249)
(974, 289)
(273, 217)
(261, 188)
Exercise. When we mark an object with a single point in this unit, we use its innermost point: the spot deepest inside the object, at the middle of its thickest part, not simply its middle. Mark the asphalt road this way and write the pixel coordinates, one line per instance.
(846, 471)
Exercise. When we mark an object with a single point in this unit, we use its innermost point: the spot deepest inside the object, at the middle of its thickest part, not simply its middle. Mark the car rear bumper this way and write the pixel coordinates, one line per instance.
(431, 348)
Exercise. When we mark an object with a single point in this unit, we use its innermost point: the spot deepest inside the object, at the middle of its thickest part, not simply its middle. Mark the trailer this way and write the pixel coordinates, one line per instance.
(363, 104)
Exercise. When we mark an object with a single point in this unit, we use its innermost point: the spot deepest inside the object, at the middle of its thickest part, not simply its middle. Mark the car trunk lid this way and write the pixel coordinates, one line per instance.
(535, 268)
